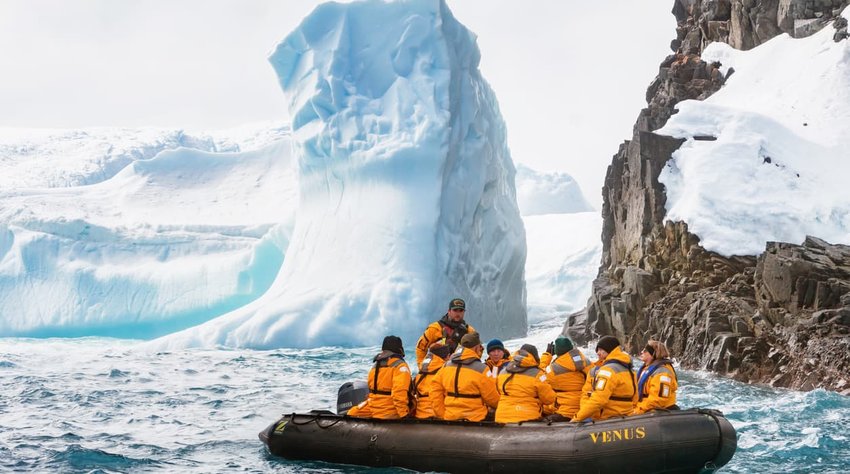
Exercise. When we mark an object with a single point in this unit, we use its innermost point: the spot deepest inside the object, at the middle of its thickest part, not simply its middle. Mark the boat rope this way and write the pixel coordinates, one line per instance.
(315, 419)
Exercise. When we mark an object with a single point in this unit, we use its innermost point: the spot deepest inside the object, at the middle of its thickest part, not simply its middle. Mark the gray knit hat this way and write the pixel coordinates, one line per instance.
(470, 340)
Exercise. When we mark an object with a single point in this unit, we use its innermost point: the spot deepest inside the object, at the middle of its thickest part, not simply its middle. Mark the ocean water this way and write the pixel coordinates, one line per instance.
(106, 406)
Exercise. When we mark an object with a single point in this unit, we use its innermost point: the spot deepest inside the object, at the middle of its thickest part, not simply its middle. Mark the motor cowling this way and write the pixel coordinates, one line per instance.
(350, 394)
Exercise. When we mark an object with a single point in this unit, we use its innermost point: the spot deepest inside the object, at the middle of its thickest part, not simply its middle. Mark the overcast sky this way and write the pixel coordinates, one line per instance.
(570, 75)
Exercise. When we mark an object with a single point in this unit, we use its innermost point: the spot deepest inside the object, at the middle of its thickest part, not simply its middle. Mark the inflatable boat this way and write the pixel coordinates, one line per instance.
(681, 441)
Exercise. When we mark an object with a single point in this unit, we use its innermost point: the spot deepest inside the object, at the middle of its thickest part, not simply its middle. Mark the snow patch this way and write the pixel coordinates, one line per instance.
(166, 243)
(777, 171)
(548, 193)
(564, 251)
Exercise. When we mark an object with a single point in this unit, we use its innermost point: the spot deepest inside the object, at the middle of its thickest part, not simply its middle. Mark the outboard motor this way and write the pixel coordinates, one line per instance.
(350, 394)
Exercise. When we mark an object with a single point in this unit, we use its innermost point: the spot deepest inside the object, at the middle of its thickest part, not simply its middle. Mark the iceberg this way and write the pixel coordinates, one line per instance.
(392, 192)
(406, 186)
(166, 243)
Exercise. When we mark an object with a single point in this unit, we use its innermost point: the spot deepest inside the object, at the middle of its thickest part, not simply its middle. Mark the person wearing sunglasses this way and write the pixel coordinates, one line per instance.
(657, 382)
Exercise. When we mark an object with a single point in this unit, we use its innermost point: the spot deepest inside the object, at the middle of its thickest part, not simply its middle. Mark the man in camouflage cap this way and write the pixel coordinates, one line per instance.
(450, 327)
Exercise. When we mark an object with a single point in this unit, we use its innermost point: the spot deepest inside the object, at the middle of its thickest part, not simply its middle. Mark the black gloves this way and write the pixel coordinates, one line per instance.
(550, 348)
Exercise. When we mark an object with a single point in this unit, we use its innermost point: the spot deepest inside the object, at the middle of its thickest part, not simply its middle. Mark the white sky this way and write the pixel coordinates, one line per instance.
(570, 75)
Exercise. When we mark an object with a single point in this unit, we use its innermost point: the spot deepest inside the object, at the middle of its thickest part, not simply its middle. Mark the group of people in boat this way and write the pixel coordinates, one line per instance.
(453, 383)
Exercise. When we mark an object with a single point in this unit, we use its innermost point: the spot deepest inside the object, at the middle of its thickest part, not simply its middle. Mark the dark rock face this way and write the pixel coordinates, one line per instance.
(783, 321)
(781, 318)
(745, 24)
(841, 33)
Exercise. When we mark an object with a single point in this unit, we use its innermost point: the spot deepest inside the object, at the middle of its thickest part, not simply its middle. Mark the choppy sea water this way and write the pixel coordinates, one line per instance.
(104, 406)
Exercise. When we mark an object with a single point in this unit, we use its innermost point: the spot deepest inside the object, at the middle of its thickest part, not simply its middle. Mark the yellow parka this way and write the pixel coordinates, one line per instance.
(463, 388)
(610, 389)
(389, 382)
(523, 390)
(497, 367)
(567, 375)
(545, 360)
(422, 384)
(657, 386)
(444, 328)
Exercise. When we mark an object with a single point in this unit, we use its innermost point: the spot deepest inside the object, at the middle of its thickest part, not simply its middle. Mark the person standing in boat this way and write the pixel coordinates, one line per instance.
(450, 327)
(497, 357)
(463, 389)
(611, 387)
(523, 390)
(389, 382)
(657, 382)
(566, 374)
(431, 364)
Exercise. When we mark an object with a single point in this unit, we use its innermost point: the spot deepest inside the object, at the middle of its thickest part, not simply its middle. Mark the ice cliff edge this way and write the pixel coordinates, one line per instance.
(407, 194)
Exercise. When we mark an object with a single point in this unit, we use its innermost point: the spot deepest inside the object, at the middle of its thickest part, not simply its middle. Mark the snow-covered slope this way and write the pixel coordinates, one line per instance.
(778, 168)
(47, 158)
(166, 243)
(407, 194)
(564, 251)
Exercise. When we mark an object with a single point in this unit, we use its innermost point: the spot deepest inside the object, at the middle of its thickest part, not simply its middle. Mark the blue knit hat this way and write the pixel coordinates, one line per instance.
(497, 344)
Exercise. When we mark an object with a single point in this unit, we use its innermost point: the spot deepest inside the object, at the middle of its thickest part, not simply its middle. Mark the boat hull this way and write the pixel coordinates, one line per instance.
(687, 441)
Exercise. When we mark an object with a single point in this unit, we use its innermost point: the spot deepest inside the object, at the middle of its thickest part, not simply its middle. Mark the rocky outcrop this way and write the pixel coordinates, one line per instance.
(781, 318)
(784, 321)
(745, 24)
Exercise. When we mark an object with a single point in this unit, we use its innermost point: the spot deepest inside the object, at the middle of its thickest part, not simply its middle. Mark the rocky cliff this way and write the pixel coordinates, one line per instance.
(781, 318)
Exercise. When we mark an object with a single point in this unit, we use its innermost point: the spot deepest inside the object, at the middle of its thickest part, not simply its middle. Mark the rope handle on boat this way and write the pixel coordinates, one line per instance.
(315, 419)
(715, 414)
(710, 411)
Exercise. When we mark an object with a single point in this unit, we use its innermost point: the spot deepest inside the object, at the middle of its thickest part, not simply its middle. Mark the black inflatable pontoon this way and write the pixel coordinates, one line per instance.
(686, 441)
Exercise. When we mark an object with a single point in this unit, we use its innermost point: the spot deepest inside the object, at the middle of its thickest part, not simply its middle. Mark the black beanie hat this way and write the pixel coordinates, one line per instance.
(531, 350)
(393, 344)
(607, 343)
